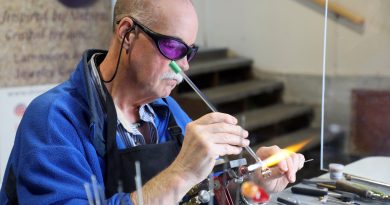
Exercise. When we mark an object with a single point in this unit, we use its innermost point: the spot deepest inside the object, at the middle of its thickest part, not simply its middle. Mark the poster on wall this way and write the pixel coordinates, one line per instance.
(42, 41)
(14, 102)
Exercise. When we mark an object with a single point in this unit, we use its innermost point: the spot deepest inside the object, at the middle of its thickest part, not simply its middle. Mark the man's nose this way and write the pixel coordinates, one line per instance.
(183, 63)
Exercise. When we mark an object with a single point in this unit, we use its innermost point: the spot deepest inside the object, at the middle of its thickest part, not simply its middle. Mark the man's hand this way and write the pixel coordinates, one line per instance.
(283, 173)
(211, 136)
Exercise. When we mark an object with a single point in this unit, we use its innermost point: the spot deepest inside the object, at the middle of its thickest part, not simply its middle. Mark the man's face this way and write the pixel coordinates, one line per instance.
(154, 77)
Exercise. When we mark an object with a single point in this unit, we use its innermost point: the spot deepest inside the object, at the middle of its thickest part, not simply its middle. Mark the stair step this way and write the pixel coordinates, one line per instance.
(236, 91)
(210, 53)
(271, 115)
(286, 140)
(210, 66)
(312, 133)
(296, 137)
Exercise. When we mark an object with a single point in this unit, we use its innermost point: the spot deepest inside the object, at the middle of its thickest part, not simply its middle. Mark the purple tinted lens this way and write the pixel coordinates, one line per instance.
(172, 49)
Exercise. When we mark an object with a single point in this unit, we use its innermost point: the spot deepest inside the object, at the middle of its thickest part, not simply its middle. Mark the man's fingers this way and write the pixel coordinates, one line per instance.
(216, 128)
(225, 149)
(294, 162)
(291, 168)
(301, 162)
(228, 128)
(265, 152)
(216, 117)
(229, 139)
(273, 173)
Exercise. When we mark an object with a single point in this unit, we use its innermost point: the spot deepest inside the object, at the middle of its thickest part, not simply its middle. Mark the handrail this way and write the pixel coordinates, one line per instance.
(341, 11)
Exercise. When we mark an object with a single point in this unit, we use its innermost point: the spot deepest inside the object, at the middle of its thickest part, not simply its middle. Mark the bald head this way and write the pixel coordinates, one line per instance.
(143, 37)
(149, 12)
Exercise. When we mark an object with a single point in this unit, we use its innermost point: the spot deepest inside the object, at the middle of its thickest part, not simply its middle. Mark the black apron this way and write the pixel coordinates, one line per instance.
(153, 158)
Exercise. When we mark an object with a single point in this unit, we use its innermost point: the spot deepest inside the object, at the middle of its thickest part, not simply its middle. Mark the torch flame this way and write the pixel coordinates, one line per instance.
(284, 153)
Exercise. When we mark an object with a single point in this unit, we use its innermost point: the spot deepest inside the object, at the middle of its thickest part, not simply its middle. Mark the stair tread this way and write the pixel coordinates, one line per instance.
(312, 133)
(210, 53)
(263, 117)
(296, 137)
(208, 66)
(235, 91)
(286, 140)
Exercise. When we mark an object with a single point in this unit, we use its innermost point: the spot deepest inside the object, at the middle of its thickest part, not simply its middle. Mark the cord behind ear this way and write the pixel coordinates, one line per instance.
(126, 34)
(128, 31)
(120, 53)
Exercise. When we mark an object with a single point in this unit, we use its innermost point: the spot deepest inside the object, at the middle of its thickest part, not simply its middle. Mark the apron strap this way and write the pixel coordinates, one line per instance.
(174, 130)
(110, 138)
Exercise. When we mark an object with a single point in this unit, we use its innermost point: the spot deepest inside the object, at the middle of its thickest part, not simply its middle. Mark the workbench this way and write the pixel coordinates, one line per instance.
(375, 168)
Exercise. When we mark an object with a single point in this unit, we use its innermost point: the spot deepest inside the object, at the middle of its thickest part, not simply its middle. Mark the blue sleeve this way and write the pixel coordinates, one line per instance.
(53, 157)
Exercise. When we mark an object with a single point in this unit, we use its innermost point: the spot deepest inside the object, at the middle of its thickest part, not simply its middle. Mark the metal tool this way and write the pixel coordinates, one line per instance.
(288, 201)
(362, 192)
(316, 181)
(94, 192)
(232, 171)
(351, 177)
(95, 189)
(138, 183)
(218, 189)
(326, 199)
(88, 193)
(308, 191)
(344, 196)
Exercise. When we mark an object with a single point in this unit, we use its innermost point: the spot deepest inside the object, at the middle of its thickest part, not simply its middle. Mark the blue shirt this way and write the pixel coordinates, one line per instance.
(60, 142)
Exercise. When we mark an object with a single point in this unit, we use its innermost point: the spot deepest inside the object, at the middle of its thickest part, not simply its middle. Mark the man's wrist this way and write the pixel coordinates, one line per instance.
(183, 178)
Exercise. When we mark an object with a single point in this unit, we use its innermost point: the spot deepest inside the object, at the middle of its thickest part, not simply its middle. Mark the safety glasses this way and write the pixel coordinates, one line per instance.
(170, 47)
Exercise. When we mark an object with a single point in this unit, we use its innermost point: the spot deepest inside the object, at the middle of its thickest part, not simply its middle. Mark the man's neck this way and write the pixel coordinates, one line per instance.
(125, 94)
(130, 114)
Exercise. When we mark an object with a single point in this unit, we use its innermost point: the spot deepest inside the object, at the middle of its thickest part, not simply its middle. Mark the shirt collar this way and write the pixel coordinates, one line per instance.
(96, 76)
(146, 114)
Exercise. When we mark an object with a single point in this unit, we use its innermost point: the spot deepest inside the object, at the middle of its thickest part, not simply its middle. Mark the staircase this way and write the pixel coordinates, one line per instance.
(229, 84)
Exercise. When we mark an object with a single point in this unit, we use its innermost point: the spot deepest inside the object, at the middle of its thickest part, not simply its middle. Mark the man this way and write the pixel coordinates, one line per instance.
(115, 110)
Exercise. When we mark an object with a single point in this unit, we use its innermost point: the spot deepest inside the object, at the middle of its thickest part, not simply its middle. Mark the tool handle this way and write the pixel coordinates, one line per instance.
(286, 201)
(308, 191)
(348, 187)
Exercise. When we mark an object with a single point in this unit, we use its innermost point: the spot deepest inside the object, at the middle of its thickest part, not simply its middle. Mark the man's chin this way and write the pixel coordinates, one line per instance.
(169, 86)
(167, 92)
(173, 82)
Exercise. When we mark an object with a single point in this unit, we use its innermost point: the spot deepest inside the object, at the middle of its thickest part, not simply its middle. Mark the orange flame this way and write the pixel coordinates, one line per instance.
(284, 153)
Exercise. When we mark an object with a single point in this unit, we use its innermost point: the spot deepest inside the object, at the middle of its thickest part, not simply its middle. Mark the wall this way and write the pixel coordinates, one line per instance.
(285, 40)
(17, 99)
(42, 41)
(286, 36)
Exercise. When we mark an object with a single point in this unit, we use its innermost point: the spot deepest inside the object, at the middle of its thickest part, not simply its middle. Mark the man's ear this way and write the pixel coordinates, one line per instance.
(125, 26)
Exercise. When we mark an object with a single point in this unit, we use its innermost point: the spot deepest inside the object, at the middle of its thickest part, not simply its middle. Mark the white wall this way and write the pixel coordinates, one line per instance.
(286, 36)
(13, 103)
(285, 40)
(363, 53)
